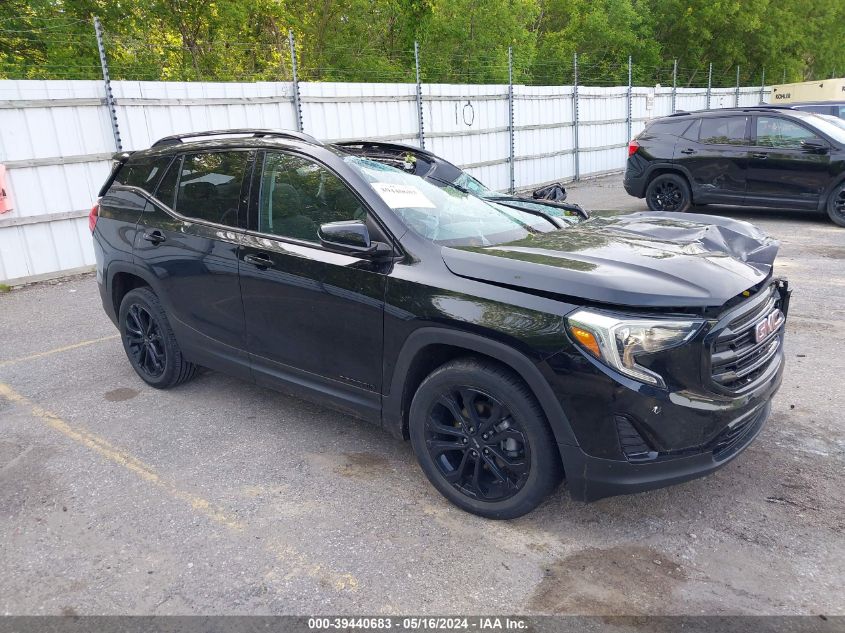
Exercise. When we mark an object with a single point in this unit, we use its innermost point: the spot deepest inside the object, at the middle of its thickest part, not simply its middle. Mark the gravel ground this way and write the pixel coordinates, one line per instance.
(222, 498)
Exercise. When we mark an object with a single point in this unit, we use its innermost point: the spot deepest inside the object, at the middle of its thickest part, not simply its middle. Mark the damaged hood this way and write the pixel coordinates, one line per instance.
(630, 259)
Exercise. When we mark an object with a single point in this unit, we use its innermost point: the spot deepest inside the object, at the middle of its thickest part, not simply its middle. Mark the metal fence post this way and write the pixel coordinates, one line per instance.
(419, 94)
(510, 113)
(630, 108)
(297, 102)
(762, 85)
(709, 84)
(575, 117)
(674, 85)
(98, 31)
(736, 94)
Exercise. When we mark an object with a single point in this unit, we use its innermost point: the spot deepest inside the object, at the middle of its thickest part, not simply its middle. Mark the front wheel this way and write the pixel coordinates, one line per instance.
(668, 192)
(836, 205)
(482, 440)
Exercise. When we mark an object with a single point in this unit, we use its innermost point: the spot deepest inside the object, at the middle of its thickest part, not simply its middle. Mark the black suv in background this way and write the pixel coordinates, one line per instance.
(512, 347)
(757, 156)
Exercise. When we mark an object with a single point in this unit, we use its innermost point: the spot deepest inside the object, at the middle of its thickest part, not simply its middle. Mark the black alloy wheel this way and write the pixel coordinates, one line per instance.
(482, 439)
(149, 342)
(477, 445)
(144, 341)
(668, 192)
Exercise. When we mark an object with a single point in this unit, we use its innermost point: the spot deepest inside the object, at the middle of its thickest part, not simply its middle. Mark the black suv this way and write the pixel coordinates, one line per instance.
(513, 348)
(757, 156)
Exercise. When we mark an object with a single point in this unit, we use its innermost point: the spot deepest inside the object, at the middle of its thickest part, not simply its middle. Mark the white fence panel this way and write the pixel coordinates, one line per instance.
(346, 111)
(468, 125)
(544, 135)
(149, 110)
(56, 141)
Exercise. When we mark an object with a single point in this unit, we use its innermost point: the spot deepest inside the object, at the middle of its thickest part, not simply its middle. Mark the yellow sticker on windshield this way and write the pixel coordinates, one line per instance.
(402, 196)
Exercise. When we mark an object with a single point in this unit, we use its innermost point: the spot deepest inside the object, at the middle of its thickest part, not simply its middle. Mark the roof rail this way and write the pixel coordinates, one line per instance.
(761, 106)
(255, 133)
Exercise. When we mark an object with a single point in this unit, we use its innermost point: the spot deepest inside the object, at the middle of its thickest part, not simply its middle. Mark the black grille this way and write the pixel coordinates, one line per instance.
(737, 360)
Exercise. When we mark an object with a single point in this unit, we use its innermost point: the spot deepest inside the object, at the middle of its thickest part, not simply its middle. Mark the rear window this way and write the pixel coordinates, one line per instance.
(723, 131)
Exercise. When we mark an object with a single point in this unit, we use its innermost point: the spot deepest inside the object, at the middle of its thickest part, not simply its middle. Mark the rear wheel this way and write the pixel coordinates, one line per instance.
(482, 440)
(149, 342)
(668, 192)
(836, 204)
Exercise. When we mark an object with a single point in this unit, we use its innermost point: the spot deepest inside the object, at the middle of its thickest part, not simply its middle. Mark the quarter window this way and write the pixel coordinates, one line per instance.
(782, 133)
(723, 131)
(298, 195)
(209, 186)
(142, 174)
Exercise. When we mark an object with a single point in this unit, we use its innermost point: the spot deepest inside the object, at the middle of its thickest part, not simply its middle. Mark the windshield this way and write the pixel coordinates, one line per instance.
(829, 125)
(446, 215)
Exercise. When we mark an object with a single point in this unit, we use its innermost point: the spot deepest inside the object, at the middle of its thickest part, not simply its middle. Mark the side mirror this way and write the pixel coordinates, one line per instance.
(814, 147)
(351, 237)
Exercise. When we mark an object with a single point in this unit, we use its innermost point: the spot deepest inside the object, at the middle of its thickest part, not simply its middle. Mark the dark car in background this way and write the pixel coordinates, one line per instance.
(621, 351)
(755, 157)
(831, 108)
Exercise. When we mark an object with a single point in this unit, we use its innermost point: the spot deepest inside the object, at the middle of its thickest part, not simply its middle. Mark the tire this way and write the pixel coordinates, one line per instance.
(149, 342)
(462, 453)
(836, 204)
(668, 192)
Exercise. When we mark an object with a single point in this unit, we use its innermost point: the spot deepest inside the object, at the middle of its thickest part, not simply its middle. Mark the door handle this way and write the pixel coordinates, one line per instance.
(156, 236)
(260, 261)
(759, 155)
(688, 150)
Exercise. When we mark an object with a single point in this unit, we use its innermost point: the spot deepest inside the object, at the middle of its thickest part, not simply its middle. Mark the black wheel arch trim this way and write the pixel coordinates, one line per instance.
(118, 267)
(825, 197)
(393, 406)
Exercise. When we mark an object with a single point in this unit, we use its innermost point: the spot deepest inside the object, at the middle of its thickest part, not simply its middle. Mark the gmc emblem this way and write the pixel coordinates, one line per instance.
(768, 325)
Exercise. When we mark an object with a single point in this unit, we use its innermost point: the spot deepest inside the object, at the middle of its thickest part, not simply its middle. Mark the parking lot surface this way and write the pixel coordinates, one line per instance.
(222, 498)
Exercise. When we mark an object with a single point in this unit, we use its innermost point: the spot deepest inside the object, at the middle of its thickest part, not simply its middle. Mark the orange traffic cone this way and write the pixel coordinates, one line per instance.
(6, 203)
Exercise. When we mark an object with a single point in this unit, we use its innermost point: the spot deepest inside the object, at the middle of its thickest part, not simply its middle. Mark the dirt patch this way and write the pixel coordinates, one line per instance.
(613, 581)
(365, 465)
(120, 394)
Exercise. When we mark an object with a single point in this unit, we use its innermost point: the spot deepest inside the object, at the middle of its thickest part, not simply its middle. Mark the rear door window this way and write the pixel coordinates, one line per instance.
(723, 130)
(209, 186)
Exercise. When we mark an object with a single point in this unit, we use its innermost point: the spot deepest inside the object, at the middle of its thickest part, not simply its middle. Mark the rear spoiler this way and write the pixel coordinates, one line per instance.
(118, 160)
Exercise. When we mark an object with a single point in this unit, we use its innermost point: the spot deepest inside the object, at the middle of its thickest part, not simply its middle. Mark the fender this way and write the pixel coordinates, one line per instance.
(834, 183)
(393, 406)
(667, 167)
(118, 266)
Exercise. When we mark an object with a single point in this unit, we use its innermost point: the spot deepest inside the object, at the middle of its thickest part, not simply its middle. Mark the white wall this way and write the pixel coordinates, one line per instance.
(56, 138)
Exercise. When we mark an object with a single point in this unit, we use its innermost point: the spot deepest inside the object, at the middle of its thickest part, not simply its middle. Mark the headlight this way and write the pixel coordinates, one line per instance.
(618, 341)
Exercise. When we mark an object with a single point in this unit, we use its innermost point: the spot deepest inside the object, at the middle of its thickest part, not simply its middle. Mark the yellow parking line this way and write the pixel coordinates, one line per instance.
(298, 563)
(58, 350)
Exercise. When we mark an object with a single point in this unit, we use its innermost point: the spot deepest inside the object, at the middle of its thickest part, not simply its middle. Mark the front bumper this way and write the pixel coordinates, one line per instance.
(633, 437)
(591, 478)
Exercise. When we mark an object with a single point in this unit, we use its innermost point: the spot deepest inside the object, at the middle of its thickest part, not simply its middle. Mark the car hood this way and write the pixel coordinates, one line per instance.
(630, 259)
